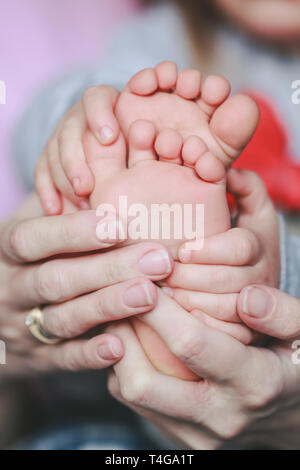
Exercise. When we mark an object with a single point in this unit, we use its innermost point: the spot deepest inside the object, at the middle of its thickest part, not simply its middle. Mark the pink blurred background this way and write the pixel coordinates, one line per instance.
(39, 40)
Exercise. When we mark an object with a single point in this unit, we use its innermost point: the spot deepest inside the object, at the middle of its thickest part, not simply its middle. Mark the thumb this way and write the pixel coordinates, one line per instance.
(248, 189)
(270, 311)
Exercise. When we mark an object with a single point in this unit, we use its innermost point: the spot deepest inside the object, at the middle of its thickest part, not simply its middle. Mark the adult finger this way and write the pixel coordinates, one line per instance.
(109, 304)
(35, 239)
(209, 353)
(270, 311)
(192, 437)
(249, 190)
(211, 279)
(144, 386)
(220, 306)
(59, 280)
(237, 247)
(237, 330)
(97, 353)
(199, 402)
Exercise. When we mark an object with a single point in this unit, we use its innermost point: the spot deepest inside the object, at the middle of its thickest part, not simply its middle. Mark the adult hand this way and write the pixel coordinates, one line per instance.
(209, 280)
(246, 391)
(247, 395)
(42, 261)
(63, 163)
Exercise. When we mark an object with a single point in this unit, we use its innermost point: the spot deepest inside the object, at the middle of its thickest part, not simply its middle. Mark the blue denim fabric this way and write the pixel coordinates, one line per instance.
(107, 436)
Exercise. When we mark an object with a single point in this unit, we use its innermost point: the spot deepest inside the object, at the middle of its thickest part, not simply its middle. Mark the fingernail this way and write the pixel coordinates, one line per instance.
(76, 183)
(106, 135)
(138, 296)
(168, 291)
(110, 230)
(185, 256)
(155, 263)
(109, 352)
(258, 303)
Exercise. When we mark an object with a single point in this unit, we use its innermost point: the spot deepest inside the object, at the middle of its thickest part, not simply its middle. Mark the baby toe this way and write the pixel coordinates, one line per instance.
(168, 146)
(193, 149)
(141, 142)
(189, 84)
(215, 91)
(209, 168)
(166, 75)
(144, 82)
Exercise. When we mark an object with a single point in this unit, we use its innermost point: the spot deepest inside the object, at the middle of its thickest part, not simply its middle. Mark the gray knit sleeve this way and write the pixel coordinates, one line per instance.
(290, 261)
(148, 39)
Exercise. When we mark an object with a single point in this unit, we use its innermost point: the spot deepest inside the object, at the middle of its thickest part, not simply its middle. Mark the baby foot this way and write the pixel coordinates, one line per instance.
(145, 180)
(200, 132)
(177, 101)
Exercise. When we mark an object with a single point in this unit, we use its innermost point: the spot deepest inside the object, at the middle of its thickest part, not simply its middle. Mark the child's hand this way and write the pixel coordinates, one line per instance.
(210, 280)
(62, 168)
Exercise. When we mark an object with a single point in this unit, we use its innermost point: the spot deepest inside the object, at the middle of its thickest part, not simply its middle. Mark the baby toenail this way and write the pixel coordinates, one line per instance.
(155, 263)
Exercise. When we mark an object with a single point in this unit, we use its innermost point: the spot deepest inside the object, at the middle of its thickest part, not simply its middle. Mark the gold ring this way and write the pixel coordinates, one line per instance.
(34, 321)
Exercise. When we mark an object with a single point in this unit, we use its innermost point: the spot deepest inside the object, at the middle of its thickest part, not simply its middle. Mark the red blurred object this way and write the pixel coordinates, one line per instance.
(267, 154)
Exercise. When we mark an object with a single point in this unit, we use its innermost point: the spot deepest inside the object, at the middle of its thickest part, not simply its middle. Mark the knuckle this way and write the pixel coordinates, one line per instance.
(101, 311)
(259, 398)
(267, 388)
(49, 282)
(114, 272)
(206, 395)
(61, 324)
(230, 428)
(71, 231)
(220, 277)
(228, 309)
(183, 297)
(17, 242)
(245, 247)
(187, 345)
(136, 390)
